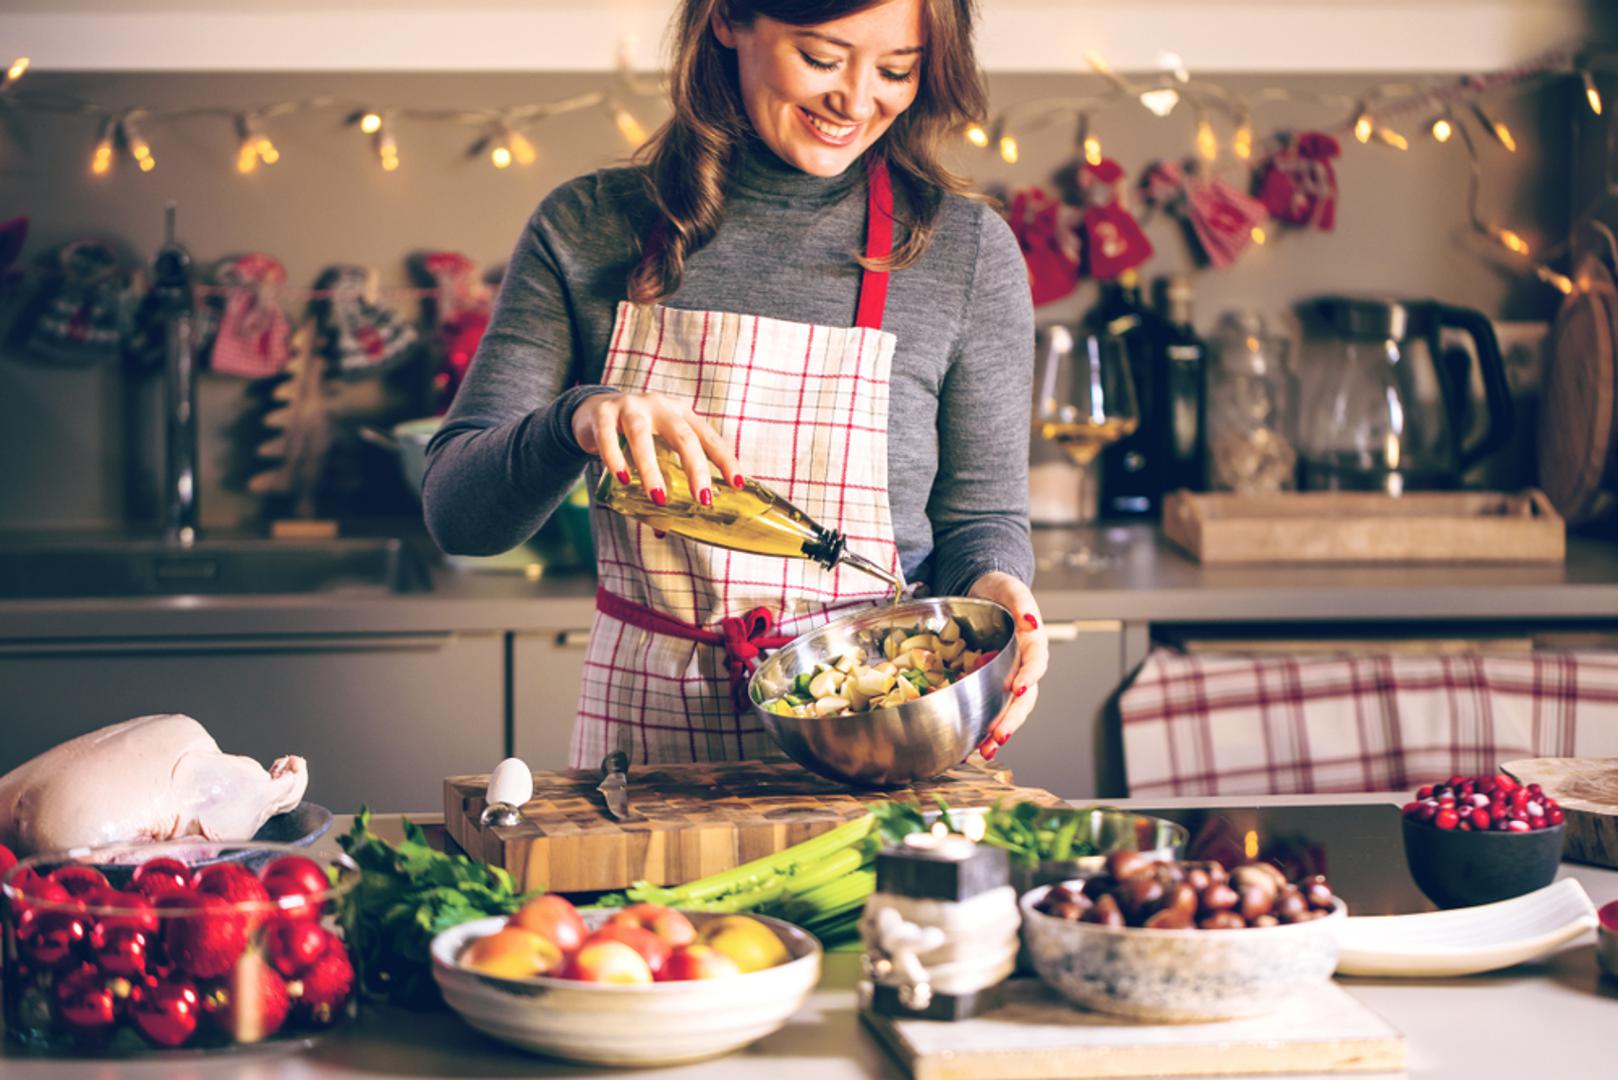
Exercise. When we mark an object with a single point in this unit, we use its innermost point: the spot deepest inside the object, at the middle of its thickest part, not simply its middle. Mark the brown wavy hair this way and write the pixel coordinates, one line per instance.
(689, 159)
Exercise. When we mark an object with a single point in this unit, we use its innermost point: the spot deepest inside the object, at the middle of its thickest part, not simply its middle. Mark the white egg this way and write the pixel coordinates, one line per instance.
(511, 782)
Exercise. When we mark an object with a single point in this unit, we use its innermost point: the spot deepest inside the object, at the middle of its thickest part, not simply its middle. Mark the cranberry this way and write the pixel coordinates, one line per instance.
(122, 946)
(155, 876)
(79, 881)
(1479, 818)
(1518, 826)
(85, 1004)
(1425, 791)
(1505, 783)
(166, 1012)
(1446, 818)
(1555, 816)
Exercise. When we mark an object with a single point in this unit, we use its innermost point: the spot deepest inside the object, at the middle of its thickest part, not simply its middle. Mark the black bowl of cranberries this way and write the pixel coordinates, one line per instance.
(1478, 839)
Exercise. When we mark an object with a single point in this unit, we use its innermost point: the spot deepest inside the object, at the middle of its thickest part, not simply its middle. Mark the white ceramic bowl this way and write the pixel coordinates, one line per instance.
(1179, 976)
(663, 1023)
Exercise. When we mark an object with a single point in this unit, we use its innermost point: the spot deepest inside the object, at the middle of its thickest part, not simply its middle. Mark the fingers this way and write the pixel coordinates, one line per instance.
(1014, 716)
(717, 450)
(636, 424)
(604, 437)
(683, 439)
(1033, 657)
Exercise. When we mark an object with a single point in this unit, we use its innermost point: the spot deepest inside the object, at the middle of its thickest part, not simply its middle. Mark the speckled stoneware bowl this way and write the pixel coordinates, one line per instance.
(1179, 976)
(665, 1023)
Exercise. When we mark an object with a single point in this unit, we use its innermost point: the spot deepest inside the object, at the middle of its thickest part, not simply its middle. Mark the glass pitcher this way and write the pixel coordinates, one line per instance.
(1385, 401)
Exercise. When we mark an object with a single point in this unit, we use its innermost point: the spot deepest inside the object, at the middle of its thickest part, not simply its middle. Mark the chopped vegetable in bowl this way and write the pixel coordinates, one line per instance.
(913, 661)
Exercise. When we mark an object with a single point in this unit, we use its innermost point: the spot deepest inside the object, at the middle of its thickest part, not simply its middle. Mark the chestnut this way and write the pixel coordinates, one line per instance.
(1223, 920)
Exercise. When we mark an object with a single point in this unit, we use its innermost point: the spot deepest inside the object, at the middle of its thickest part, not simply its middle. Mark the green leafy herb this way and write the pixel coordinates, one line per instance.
(408, 893)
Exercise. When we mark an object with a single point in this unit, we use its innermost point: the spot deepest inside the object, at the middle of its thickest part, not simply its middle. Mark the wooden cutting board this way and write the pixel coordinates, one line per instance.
(1587, 789)
(698, 819)
(1036, 1035)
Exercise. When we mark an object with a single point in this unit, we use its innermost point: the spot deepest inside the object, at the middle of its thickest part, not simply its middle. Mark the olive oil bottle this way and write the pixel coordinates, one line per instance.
(750, 518)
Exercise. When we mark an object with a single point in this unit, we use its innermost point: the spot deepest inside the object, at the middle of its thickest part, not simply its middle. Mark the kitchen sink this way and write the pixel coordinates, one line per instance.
(133, 567)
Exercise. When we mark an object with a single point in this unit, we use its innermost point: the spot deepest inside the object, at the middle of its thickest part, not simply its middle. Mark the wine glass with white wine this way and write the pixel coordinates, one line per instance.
(1085, 402)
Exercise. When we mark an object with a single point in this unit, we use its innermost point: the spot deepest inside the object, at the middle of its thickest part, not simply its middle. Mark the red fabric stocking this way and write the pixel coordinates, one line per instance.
(1113, 239)
(1043, 226)
(1298, 185)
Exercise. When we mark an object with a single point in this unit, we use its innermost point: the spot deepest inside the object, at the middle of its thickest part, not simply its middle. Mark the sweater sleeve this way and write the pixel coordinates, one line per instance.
(979, 502)
(505, 456)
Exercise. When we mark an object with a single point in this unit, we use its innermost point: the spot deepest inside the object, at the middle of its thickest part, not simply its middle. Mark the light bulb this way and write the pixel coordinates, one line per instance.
(147, 163)
(1442, 129)
(1363, 128)
(627, 125)
(1393, 138)
(1241, 144)
(267, 152)
(521, 148)
(1560, 282)
(1207, 142)
(246, 158)
(371, 123)
(387, 149)
(1160, 102)
(15, 71)
(1497, 127)
(977, 136)
(500, 155)
(1009, 151)
(101, 157)
(1511, 241)
(1259, 236)
(1092, 150)
(1591, 93)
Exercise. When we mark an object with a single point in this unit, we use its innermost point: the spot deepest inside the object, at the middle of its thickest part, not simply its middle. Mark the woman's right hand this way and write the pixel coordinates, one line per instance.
(601, 418)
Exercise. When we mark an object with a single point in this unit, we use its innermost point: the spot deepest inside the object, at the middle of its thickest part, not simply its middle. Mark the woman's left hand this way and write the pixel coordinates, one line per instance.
(1033, 652)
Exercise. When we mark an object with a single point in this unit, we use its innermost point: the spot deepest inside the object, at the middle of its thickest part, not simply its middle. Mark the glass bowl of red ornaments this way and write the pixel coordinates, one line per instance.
(178, 946)
(1480, 839)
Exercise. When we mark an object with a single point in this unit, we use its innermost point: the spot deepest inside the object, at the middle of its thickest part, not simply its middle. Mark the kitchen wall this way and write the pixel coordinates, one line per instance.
(80, 446)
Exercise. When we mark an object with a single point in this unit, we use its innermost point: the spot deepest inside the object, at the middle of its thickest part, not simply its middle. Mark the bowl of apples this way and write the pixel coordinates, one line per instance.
(638, 986)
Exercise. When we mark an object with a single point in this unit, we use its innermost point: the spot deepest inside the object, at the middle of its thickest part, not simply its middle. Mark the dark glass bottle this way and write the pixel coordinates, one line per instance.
(1132, 469)
(1185, 361)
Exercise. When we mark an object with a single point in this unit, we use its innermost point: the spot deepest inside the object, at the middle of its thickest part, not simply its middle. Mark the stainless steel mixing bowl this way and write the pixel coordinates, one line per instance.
(891, 747)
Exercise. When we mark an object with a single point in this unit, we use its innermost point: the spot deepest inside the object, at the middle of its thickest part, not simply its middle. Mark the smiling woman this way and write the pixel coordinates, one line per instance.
(703, 299)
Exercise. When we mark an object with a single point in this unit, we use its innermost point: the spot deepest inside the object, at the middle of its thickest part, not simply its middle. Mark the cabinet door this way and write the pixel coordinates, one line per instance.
(546, 667)
(381, 718)
(1069, 746)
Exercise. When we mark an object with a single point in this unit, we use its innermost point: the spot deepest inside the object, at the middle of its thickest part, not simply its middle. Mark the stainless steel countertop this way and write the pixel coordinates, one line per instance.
(1148, 580)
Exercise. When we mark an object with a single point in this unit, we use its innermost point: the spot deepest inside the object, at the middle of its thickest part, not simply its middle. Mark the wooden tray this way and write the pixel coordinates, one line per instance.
(1587, 791)
(699, 819)
(1036, 1035)
(1352, 526)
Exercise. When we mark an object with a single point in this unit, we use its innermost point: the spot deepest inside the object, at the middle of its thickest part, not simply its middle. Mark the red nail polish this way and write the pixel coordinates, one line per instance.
(623, 476)
(1002, 737)
(1021, 690)
(705, 497)
(988, 755)
(737, 481)
(659, 496)
(1033, 623)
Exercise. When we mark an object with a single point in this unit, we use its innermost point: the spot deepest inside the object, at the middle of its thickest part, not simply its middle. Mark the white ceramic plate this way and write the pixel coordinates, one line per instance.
(1465, 941)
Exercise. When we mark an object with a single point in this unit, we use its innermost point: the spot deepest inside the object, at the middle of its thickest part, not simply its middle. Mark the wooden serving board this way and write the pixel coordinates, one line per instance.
(697, 819)
(1361, 526)
(1036, 1035)
(1587, 790)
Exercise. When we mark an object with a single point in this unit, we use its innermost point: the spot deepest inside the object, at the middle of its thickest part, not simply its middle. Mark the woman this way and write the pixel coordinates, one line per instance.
(704, 299)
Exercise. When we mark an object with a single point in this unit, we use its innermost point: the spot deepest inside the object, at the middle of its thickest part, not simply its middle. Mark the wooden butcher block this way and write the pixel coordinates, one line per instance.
(1587, 789)
(697, 819)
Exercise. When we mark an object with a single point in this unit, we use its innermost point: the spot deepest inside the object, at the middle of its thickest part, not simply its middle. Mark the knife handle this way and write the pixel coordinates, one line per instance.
(615, 762)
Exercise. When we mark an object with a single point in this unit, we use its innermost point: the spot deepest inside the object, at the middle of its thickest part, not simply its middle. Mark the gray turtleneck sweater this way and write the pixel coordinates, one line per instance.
(959, 401)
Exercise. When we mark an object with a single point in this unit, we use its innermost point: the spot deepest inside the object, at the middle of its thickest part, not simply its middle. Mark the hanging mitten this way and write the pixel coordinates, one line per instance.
(1044, 227)
(1113, 239)
(364, 336)
(458, 312)
(253, 335)
(1298, 184)
(83, 313)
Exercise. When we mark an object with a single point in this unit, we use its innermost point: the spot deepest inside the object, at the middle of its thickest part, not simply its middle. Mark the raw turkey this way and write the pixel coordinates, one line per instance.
(150, 778)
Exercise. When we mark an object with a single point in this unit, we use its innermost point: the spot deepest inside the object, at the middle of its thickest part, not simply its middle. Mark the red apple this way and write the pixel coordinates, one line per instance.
(669, 925)
(552, 917)
(653, 949)
(604, 960)
(697, 962)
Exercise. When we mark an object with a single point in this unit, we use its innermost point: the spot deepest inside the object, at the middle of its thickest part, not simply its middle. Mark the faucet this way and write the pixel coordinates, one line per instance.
(172, 295)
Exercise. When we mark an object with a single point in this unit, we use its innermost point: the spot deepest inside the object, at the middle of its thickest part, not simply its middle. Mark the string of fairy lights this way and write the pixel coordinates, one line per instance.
(1449, 110)
(505, 135)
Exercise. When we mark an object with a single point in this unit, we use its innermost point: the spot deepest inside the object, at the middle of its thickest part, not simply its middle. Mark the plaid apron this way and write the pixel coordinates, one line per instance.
(805, 409)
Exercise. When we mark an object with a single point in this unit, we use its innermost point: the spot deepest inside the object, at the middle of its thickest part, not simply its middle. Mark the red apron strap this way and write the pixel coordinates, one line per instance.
(878, 244)
(740, 636)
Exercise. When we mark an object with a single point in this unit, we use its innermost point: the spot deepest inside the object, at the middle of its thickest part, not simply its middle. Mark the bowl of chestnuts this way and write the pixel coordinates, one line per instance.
(1176, 942)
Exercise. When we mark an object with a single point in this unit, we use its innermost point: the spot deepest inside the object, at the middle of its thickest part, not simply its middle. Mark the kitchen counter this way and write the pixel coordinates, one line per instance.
(1550, 1018)
(1147, 580)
